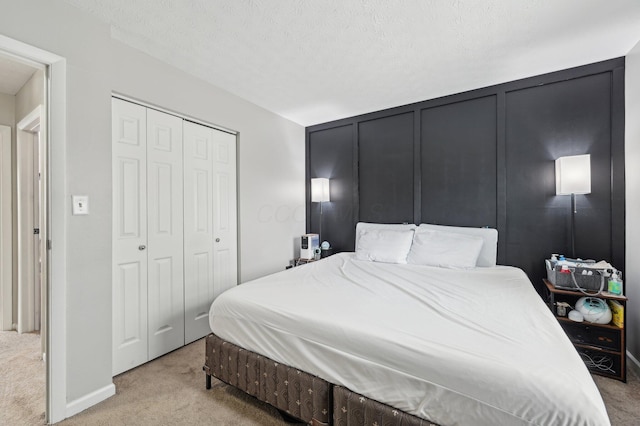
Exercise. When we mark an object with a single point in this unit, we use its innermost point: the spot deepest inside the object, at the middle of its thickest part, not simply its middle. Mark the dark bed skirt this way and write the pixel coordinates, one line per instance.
(353, 409)
(297, 393)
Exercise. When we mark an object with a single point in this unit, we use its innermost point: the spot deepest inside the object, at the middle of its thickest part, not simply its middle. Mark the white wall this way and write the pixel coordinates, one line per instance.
(7, 110)
(271, 167)
(7, 118)
(632, 182)
(61, 29)
(30, 95)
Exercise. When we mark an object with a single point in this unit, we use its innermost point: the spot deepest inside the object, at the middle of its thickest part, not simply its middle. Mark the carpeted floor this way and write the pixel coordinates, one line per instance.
(22, 379)
(171, 391)
(622, 399)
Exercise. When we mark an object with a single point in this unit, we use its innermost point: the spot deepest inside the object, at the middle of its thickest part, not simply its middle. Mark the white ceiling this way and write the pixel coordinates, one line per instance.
(13, 74)
(319, 60)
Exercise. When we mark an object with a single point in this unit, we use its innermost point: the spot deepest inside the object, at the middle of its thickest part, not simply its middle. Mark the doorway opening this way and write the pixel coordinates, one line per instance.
(24, 203)
(55, 130)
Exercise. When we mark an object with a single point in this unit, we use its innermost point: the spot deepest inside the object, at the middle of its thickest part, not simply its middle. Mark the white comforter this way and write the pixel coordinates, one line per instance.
(457, 347)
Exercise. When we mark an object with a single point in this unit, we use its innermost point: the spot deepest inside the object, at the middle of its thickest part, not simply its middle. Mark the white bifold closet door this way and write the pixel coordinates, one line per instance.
(210, 249)
(148, 298)
(129, 174)
(164, 233)
(174, 230)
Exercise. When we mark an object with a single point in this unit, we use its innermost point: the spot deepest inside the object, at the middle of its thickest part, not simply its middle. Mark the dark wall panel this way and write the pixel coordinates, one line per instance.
(386, 173)
(330, 155)
(458, 162)
(543, 123)
(485, 158)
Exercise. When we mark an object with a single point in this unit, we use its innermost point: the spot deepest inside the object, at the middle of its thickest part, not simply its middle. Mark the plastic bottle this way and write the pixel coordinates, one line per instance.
(615, 283)
(564, 265)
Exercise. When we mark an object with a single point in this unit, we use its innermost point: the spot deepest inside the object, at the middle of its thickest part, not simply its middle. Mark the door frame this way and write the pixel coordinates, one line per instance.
(30, 131)
(27, 153)
(55, 134)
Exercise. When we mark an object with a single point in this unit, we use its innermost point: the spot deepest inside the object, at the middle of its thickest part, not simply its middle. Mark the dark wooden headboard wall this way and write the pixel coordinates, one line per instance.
(484, 158)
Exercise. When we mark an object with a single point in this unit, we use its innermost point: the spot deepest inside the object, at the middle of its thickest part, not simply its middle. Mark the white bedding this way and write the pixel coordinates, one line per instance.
(457, 347)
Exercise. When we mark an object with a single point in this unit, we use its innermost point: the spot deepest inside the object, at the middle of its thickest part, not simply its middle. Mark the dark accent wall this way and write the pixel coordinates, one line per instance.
(458, 158)
(331, 153)
(484, 158)
(385, 172)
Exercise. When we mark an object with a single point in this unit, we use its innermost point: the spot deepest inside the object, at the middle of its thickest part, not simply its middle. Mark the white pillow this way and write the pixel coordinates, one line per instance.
(366, 226)
(489, 250)
(384, 245)
(444, 249)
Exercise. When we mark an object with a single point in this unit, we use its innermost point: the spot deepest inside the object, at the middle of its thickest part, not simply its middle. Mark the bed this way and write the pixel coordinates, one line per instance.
(418, 323)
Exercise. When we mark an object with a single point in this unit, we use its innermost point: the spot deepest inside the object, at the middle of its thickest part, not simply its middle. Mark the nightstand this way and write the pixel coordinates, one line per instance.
(601, 346)
(299, 261)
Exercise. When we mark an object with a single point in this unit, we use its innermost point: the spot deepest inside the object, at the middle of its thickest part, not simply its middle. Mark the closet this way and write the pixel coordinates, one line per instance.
(174, 230)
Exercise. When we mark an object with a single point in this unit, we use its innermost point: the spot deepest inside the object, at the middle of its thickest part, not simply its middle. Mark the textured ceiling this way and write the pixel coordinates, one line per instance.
(318, 60)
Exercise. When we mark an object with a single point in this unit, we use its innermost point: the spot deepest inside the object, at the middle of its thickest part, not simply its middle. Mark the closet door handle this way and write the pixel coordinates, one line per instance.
(217, 240)
(142, 247)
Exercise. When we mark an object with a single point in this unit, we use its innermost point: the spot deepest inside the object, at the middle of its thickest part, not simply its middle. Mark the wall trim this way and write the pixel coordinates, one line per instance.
(90, 399)
(137, 101)
(31, 123)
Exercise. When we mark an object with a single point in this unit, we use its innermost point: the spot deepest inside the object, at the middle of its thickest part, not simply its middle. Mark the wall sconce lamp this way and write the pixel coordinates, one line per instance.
(320, 194)
(573, 176)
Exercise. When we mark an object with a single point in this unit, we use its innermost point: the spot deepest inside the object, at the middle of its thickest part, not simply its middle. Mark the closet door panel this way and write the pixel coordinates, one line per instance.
(198, 229)
(129, 233)
(224, 212)
(165, 233)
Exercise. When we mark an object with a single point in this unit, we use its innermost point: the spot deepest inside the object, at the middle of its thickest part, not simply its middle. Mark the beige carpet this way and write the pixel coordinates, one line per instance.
(22, 379)
(622, 399)
(171, 391)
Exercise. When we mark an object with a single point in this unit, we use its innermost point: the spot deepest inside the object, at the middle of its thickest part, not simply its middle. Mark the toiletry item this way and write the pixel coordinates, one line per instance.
(615, 283)
(617, 312)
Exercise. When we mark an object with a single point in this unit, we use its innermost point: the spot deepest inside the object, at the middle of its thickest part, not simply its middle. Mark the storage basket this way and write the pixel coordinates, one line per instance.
(593, 282)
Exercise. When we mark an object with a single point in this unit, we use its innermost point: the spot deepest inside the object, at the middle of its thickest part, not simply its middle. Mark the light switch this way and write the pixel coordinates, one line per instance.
(80, 204)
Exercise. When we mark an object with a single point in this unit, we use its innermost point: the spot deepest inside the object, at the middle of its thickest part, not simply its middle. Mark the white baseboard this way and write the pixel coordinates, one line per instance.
(634, 363)
(89, 400)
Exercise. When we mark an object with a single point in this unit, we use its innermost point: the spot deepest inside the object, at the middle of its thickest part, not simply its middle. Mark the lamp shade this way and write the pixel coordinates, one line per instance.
(573, 175)
(319, 190)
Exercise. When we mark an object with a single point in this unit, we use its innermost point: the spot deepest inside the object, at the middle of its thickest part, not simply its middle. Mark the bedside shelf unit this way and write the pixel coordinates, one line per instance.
(601, 346)
(298, 261)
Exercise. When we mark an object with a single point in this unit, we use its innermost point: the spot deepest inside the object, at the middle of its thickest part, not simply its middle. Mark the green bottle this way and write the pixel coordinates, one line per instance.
(615, 283)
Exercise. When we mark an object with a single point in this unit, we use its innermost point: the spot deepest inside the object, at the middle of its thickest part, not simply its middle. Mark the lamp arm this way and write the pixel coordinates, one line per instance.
(573, 225)
(320, 232)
